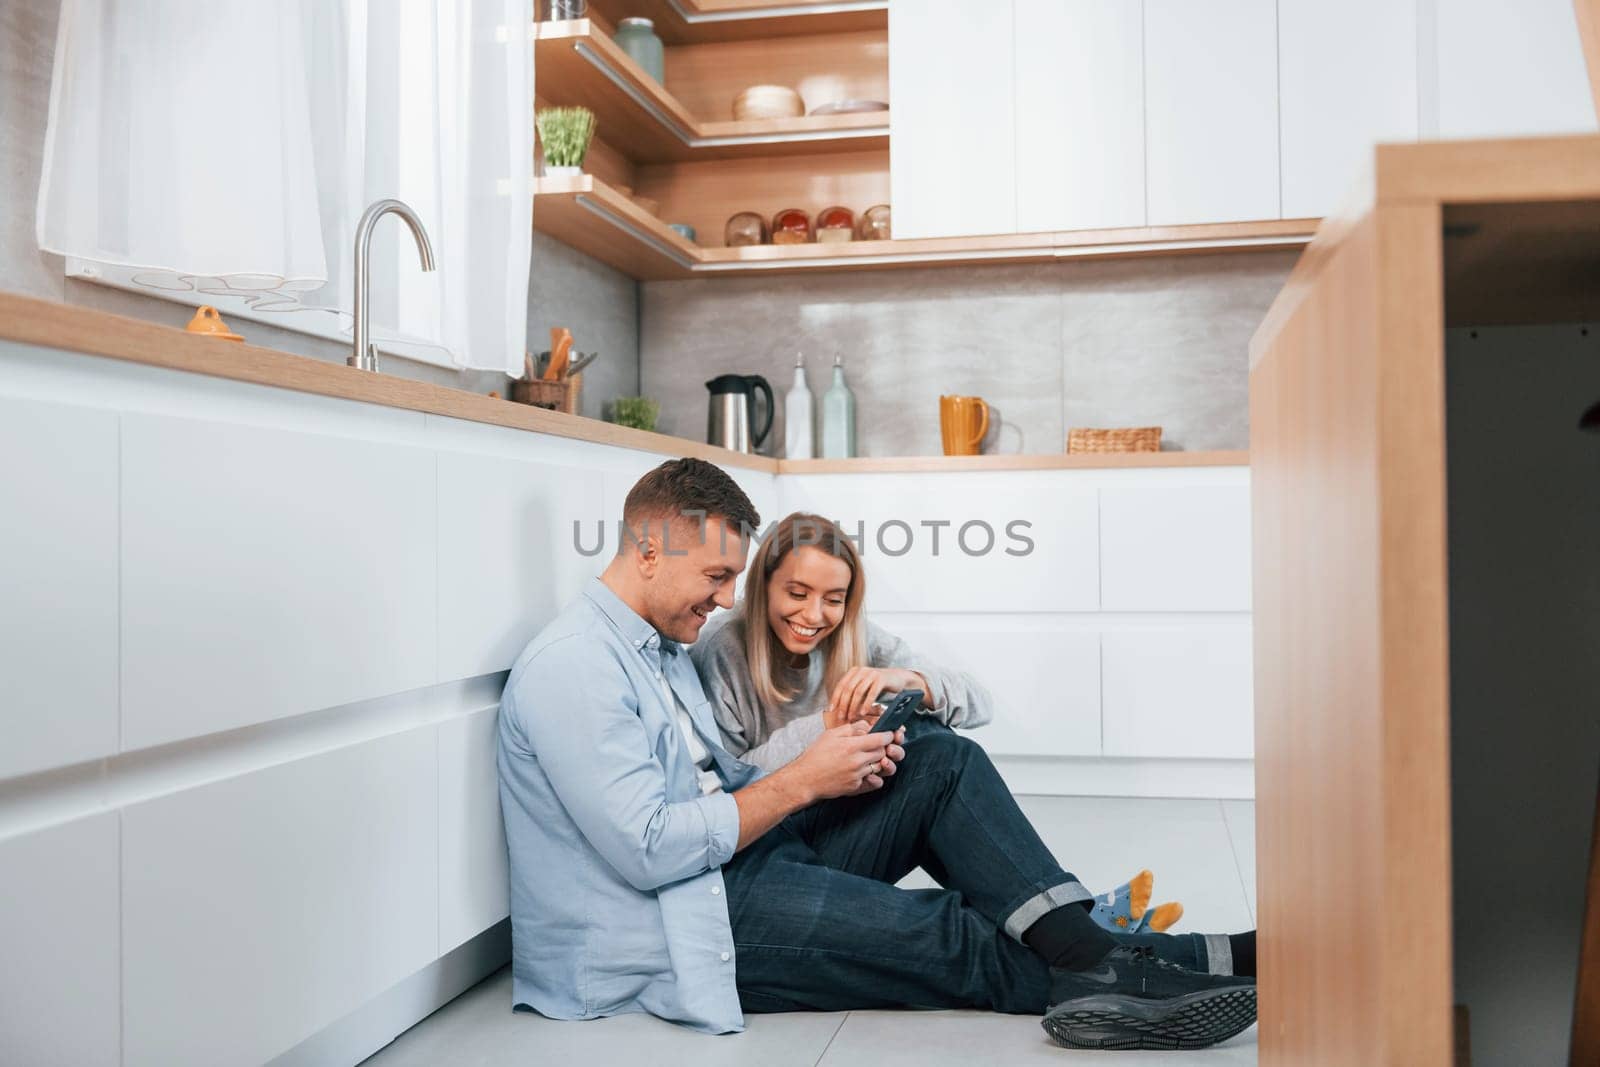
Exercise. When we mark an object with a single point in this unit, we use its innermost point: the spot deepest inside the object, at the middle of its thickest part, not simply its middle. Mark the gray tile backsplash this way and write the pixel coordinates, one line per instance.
(1132, 342)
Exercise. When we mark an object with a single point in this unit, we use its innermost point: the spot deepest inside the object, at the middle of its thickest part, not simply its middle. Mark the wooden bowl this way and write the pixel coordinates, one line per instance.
(768, 102)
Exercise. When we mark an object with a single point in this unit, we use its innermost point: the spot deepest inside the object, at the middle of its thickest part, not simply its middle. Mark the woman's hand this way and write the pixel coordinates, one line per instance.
(852, 697)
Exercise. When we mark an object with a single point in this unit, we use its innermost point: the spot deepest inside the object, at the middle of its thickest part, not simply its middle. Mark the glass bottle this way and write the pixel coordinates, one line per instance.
(797, 413)
(838, 416)
(637, 37)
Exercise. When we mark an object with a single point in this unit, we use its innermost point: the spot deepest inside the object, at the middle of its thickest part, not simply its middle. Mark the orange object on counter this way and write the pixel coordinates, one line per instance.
(209, 322)
(560, 352)
(963, 420)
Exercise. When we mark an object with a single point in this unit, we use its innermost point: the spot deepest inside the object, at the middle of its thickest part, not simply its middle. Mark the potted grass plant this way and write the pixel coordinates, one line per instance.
(565, 133)
(638, 412)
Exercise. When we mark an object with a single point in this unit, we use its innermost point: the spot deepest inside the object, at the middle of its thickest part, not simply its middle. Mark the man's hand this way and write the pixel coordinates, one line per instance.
(852, 697)
(847, 760)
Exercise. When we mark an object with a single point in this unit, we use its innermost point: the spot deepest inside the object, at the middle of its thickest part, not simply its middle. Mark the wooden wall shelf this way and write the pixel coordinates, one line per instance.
(700, 21)
(579, 65)
(597, 220)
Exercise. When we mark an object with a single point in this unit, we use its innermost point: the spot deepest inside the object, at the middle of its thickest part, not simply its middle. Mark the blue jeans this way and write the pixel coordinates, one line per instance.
(818, 923)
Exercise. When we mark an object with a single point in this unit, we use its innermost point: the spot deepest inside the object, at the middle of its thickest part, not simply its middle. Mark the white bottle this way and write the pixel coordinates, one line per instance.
(797, 439)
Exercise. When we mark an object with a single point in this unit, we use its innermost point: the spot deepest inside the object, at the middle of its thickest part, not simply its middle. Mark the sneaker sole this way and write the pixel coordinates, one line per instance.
(1109, 1021)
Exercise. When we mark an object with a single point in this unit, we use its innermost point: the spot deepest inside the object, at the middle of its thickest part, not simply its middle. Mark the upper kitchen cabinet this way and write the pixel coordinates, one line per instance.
(1211, 111)
(1348, 80)
(1080, 153)
(1508, 70)
(952, 146)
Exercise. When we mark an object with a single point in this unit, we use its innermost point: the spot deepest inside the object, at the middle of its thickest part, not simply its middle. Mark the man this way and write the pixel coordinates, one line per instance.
(652, 871)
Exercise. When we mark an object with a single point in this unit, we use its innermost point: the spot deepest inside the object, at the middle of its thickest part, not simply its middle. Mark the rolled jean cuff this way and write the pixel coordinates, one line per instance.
(1219, 954)
(1038, 906)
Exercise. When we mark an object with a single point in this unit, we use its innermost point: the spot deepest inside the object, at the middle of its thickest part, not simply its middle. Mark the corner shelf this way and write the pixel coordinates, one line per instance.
(704, 21)
(579, 65)
(594, 218)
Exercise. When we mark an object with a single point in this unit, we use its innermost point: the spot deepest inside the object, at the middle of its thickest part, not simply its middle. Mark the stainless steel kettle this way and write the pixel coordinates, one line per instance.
(732, 401)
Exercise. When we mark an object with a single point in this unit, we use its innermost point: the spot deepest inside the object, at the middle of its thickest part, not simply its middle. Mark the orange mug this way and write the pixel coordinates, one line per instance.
(963, 420)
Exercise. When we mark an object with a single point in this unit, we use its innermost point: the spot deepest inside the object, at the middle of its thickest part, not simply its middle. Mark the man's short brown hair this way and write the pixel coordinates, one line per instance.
(690, 489)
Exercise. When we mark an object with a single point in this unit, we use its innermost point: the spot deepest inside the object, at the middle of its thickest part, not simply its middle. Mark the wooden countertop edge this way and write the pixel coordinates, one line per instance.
(28, 320)
(1063, 461)
(42, 322)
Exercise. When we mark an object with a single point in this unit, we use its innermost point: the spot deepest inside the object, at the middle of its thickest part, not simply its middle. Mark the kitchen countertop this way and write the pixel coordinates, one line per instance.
(53, 325)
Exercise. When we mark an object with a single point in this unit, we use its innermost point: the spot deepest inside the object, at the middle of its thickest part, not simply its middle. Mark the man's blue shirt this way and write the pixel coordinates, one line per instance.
(617, 901)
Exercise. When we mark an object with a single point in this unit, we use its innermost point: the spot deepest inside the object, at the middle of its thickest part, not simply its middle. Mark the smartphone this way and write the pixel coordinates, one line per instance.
(898, 711)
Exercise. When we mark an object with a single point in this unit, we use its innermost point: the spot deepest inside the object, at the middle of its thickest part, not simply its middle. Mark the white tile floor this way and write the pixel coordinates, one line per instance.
(1202, 853)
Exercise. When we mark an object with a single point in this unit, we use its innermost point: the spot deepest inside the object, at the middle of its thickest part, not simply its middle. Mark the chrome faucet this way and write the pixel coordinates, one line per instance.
(365, 357)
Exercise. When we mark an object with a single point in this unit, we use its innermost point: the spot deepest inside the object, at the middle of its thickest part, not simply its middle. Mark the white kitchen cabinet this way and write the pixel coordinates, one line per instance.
(58, 585)
(268, 573)
(1028, 546)
(1347, 81)
(1211, 116)
(1080, 114)
(59, 936)
(952, 144)
(1178, 548)
(1510, 70)
(507, 563)
(259, 909)
(474, 877)
(1178, 693)
(1045, 683)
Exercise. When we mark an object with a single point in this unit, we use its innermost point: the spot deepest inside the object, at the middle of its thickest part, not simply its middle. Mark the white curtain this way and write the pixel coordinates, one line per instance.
(223, 152)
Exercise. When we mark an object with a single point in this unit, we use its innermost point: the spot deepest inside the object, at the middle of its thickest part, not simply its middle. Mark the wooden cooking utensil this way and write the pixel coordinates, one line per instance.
(560, 351)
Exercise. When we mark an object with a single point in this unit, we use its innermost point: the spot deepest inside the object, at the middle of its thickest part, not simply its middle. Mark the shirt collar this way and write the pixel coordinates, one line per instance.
(634, 629)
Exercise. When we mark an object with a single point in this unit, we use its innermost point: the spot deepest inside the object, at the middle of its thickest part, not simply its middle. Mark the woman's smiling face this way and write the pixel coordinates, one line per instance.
(806, 598)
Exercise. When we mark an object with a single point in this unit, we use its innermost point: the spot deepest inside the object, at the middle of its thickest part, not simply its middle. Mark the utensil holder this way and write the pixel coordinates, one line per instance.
(552, 396)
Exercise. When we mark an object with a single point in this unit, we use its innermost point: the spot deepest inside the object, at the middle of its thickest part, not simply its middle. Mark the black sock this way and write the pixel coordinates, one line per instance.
(1068, 937)
(1243, 947)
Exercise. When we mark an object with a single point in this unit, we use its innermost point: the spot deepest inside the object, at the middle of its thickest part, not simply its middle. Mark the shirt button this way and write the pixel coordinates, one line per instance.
(716, 890)
(726, 957)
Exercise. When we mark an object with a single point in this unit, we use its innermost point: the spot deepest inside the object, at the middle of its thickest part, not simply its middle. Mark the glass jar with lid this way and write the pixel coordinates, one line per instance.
(874, 224)
(637, 37)
(791, 226)
(745, 228)
(835, 224)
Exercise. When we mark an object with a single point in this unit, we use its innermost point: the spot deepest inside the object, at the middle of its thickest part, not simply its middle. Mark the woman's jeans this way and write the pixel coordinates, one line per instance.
(817, 920)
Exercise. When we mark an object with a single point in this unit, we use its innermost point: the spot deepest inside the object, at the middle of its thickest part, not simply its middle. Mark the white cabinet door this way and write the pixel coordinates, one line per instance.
(1178, 694)
(1045, 683)
(474, 877)
(1211, 111)
(952, 118)
(1080, 114)
(268, 573)
(1176, 548)
(1510, 70)
(260, 909)
(1348, 74)
(59, 937)
(58, 585)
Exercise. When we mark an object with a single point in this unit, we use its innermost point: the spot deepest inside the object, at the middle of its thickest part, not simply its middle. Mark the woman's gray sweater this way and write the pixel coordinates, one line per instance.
(770, 737)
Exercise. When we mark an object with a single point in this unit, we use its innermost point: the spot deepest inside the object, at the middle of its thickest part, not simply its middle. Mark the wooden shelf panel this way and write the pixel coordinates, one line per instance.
(576, 64)
(699, 21)
(598, 221)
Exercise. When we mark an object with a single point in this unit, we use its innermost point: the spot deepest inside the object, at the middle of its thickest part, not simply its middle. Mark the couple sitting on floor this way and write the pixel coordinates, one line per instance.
(697, 832)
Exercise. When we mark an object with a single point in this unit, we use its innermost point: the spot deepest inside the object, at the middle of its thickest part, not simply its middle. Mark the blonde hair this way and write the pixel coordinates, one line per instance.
(844, 648)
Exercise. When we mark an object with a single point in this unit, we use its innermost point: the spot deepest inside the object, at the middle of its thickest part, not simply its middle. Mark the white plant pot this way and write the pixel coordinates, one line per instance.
(562, 172)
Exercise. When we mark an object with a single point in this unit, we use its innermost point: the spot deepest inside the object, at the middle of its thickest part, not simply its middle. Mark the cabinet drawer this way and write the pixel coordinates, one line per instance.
(1182, 694)
(1185, 548)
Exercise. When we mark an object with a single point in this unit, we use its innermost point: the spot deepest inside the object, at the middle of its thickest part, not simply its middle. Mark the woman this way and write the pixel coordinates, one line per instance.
(797, 656)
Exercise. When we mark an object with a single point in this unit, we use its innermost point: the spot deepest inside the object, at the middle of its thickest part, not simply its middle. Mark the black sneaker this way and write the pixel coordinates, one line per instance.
(1131, 1000)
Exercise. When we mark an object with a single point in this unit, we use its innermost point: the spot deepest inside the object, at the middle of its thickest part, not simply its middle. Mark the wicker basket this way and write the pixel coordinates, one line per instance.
(1137, 439)
(555, 396)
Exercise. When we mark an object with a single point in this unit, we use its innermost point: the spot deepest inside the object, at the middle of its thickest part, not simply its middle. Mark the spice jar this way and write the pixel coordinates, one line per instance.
(745, 228)
(835, 224)
(874, 225)
(637, 37)
(791, 226)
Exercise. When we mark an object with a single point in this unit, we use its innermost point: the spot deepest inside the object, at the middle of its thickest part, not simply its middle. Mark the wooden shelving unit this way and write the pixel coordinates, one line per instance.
(703, 21)
(599, 221)
(578, 64)
(676, 144)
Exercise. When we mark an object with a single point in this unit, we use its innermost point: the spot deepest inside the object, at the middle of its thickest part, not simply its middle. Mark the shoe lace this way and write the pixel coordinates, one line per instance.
(1147, 955)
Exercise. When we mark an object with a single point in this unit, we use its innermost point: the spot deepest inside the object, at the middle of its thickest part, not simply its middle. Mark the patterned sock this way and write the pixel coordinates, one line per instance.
(1123, 909)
